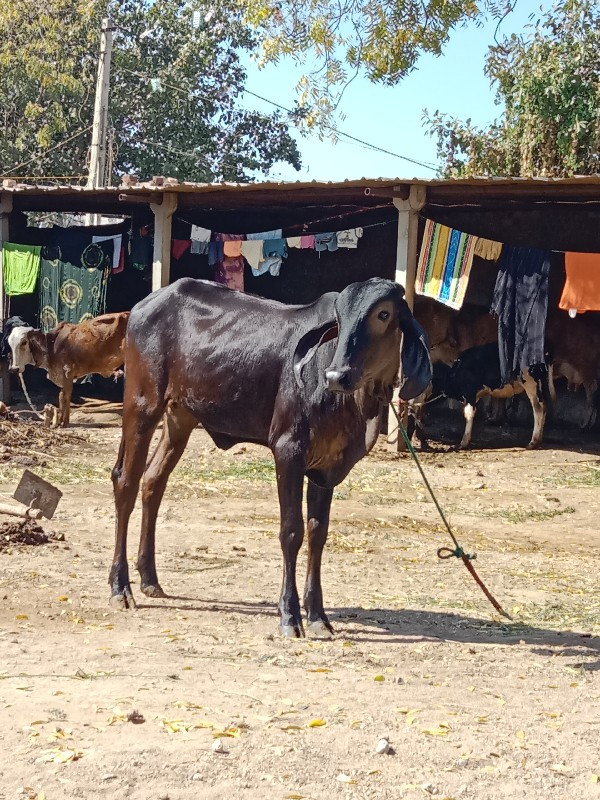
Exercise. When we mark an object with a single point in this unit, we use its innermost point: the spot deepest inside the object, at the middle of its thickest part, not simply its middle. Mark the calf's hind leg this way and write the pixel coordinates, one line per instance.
(64, 402)
(177, 427)
(469, 414)
(318, 501)
(535, 393)
(138, 427)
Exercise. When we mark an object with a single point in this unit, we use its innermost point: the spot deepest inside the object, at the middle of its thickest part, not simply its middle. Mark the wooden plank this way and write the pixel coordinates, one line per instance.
(163, 218)
(405, 275)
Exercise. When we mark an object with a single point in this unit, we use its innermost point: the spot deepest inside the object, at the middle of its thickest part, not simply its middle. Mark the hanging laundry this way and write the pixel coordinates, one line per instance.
(179, 247)
(274, 251)
(199, 248)
(230, 272)
(487, 249)
(76, 246)
(118, 262)
(581, 291)
(232, 248)
(521, 302)
(294, 241)
(215, 253)
(444, 264)
(326, 241)
(349, 238)
(264, 235)
(253, 253)
(140, 248)
(70, 293)
(275, 247)
(307, 241)
(200, 238)
(21, 267)
(200, 234)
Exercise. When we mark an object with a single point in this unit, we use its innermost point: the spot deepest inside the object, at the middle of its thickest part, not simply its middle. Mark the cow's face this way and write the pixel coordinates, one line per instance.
(372, 316)
(20, 349)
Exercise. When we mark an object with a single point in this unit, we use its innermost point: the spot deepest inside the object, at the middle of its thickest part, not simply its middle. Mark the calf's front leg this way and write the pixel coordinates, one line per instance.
(318, 501)
(290, 479)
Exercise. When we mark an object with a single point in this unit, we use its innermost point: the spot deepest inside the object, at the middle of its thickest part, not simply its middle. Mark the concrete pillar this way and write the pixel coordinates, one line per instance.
(163, 218)
(405, 275)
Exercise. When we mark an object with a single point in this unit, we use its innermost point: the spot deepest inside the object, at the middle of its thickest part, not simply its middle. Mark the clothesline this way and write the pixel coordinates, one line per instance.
(446, 260)
(327, 219)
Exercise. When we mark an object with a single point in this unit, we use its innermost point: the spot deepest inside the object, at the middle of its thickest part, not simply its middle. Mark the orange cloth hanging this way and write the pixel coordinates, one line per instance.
(232, 249)
(582, 286)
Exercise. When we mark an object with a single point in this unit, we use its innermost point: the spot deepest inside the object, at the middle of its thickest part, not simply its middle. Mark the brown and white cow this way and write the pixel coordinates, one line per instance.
(95, 346)
(450, 333)
(476, 373)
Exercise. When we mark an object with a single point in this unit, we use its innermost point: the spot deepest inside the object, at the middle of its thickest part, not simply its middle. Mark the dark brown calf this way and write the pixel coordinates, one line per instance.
(68, 352)
(309, 382)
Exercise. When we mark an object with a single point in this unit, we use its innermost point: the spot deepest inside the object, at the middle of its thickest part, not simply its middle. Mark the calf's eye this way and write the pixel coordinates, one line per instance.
(383, 315)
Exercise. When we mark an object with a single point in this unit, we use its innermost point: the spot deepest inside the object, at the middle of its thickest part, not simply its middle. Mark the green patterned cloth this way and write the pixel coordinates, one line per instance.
(71, 294)
(20, 267)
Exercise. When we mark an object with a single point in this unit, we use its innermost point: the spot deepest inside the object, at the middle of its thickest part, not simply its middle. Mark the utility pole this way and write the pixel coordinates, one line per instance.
(97, 173)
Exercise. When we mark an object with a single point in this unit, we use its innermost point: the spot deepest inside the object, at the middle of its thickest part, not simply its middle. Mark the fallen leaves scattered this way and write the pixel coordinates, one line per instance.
(59, 755)
(228, 733)
(443, 729)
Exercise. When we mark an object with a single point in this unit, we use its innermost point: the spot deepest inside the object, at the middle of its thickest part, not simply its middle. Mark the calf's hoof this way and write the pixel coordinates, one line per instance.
(292, 631)
(123, 601)
(320, 629)
(153, 590)
(533, 445)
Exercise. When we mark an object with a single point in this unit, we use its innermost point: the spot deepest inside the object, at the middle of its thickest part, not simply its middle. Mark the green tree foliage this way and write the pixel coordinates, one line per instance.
(342, 38)
(548, 83)
(175, 85)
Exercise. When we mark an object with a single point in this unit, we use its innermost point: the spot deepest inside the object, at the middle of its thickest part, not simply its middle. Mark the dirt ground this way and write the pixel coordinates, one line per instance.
(473, 707)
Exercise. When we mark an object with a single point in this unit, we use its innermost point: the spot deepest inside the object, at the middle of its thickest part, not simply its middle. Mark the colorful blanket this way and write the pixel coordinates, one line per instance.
(444, 264)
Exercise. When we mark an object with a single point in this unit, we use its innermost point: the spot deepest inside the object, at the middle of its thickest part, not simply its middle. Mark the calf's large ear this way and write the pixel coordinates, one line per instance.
(416, 364)
(309, 344)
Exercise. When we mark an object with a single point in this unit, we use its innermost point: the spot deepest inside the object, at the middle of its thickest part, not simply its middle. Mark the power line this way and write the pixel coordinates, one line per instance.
(332, 128)
(347, 135)
(188, 153)
(49, 150)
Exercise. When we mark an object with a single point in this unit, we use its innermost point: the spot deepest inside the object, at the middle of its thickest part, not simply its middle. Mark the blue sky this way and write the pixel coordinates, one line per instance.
(391, 117)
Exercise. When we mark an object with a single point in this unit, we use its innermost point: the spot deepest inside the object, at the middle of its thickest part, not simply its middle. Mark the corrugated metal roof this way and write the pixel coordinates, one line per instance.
(171, 185)
(298, 199)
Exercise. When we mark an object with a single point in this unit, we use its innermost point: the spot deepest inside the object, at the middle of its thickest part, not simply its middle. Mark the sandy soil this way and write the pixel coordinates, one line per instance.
(473, 707)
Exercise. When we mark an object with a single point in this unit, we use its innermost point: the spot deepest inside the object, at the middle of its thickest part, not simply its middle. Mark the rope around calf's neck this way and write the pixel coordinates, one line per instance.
(447, 552)
(26, 393)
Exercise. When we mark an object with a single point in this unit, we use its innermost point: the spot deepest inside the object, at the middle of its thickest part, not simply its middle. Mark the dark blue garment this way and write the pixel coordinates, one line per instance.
(521, 303)
(215, 253)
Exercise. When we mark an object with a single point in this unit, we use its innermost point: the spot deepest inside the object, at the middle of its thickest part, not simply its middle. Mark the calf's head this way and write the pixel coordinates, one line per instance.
(371, 317)
(20, 348)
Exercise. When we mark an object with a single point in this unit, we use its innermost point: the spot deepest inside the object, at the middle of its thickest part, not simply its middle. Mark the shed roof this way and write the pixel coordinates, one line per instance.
(563, 213)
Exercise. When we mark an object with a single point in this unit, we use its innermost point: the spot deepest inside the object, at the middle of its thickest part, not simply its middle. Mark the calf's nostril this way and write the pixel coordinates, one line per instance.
(336, 379)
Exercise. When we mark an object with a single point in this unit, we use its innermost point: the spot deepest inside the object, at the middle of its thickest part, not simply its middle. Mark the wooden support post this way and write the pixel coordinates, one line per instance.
(406, 273)
(163, 218)
(6, 206)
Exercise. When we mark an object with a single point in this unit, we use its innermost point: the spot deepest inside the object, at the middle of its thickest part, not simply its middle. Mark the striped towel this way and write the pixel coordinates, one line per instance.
(444, 264)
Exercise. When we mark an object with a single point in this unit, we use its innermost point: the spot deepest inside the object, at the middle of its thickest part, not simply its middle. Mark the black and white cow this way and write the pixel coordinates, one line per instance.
(476, 373)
